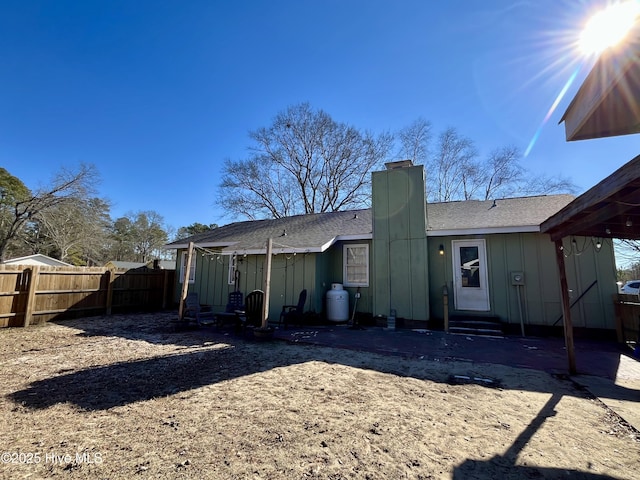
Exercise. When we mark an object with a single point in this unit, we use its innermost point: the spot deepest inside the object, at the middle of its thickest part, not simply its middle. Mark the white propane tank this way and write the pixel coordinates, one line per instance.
(337, 303)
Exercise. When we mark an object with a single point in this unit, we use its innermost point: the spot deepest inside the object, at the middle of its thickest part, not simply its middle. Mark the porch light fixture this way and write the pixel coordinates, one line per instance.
(598, 245)
(629, 223)
(441, 249)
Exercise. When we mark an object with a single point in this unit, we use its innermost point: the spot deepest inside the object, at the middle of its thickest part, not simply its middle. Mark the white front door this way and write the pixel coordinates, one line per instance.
(470, 275)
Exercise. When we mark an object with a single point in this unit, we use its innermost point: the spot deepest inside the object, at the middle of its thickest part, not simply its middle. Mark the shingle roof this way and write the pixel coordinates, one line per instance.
(316, 232)
(313, 232)
(508, 213)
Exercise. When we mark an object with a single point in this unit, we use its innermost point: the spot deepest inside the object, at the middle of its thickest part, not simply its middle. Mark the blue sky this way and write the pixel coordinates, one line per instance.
(158, 93)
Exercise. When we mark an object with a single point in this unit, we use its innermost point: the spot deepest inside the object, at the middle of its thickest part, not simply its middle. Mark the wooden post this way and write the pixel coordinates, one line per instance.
(618, 315)
(445, 301)
(165, 289)
(110, 276)
(566, 309)
(34, 273)
(185, 280)
(267, 284)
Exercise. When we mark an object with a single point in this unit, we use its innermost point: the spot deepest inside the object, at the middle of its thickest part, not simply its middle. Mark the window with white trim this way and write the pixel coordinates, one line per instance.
(355, 261)
(192, 270)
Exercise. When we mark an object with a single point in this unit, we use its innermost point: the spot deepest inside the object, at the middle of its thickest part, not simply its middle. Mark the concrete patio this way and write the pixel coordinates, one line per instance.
(606, 369)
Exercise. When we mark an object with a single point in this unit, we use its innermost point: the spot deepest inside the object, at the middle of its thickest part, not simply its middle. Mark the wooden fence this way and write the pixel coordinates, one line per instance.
(627, 309)
(36, 294)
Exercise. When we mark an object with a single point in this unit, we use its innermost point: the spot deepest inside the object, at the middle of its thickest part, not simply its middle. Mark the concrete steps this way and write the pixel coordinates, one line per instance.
(476, 325)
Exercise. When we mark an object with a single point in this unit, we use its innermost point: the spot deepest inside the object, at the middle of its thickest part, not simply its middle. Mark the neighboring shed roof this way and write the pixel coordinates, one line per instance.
(317, 232)
(162, 264)
(37, 259)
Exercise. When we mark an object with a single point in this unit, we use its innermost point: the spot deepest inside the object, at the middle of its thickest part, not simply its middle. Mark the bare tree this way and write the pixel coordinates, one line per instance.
(545, 185)
(414, 141)
(305, 162)
(76, 228)
(627, 254)
(450, 169)
(455, 172)
(502, 173)
(66, 185)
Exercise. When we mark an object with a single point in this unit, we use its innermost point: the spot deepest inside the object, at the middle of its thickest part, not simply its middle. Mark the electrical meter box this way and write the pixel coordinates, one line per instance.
(517, 278)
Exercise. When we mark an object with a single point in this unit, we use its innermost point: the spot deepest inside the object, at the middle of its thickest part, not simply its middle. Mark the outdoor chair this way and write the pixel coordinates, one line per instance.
(251, 315)
(293, 313)
(235, 303)
(201, 314)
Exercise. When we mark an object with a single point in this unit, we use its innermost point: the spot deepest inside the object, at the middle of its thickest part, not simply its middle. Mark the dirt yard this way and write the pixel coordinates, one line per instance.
(129, 397)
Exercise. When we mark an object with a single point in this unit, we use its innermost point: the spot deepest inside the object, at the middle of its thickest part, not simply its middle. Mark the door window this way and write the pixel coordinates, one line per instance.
(470, 266)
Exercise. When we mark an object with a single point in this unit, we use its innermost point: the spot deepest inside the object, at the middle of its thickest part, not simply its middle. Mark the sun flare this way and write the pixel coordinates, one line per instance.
(608, 27)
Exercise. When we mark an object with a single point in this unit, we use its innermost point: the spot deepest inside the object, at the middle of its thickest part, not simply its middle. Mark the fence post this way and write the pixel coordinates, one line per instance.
(165, 289)
(110, 275)
(618, 316)
(34, 273)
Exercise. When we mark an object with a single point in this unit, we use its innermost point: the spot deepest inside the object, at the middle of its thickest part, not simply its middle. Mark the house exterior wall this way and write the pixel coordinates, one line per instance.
(530, 253)
(289, 275)
(533, 254)
(400, 262)
(332, 261)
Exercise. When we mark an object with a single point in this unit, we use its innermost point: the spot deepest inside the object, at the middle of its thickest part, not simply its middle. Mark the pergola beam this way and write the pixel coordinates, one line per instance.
(606, 104)
(604, 210)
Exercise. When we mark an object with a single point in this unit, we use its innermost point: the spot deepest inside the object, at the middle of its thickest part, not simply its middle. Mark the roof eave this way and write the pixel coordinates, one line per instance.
(483, 231)
(603, 105)
(180, 246)
(346, 238)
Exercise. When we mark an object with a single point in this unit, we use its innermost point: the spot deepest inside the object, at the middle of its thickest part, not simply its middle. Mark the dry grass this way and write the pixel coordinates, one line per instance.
(132, 398)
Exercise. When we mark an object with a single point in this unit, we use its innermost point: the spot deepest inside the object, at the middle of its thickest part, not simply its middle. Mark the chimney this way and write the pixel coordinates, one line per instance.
(400, 255)
(398, 164)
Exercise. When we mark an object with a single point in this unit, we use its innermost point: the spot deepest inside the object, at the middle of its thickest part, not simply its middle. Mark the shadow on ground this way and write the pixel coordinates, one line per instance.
(214, 356)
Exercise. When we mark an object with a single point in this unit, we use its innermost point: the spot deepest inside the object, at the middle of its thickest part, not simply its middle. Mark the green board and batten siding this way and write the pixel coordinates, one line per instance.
(407, 273)
(400, 244)
(334, 273)
(533, 254)
(289, 275)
